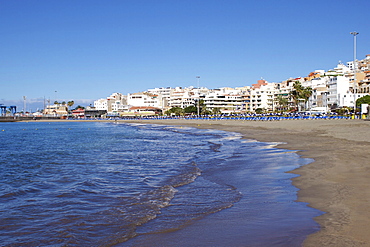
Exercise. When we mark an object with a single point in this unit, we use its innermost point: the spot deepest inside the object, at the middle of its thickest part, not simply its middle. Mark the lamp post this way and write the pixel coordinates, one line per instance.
(354, 71)
(24, 104)
(163, 100)
(325, 101)
(198, 77)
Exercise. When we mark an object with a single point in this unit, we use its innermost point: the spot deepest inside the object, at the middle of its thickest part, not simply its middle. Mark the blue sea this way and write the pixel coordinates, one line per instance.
(119, 184)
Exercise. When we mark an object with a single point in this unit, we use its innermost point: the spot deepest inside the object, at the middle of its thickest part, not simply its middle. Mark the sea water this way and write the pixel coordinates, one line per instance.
(116, 184)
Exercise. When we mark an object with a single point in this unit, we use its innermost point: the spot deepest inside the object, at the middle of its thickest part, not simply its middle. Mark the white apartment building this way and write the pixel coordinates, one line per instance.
(226, 103)
(263, 96)
(341, 84)
(341, 69)
(182, 97)
(144, 99)
(101, 104)
(284, 88)
(164, 92)
(320, 92)
(364, 82)
(339, 91)
(116, 102)
(333, 88)
(56, 110)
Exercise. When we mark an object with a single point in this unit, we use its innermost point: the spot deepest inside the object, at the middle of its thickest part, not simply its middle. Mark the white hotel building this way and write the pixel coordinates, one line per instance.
(226, 103)
(116, 102)
(262, 95)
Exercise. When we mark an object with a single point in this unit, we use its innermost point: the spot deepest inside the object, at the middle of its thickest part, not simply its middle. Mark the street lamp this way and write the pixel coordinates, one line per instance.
(163, 101)
(56, 96)
(354, 71)
(198, 77)
(24, 104)
(325, 100)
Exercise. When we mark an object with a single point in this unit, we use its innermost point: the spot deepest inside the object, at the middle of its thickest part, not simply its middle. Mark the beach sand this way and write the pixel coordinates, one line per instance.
(337, 182)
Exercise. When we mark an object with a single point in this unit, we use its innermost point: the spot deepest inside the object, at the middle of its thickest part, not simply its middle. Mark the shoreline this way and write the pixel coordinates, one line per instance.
(335, 183)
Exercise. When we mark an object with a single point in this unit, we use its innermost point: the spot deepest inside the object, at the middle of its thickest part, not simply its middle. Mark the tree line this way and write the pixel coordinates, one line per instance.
(69, 104)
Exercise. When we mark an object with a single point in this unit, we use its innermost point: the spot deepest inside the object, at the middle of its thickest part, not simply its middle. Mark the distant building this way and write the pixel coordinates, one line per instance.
(78, 113)
(114, 103)
(263, 95)
(92, 112)
(135, 111)
(183, 97)
(339, 92)
(144, 99)
(56, 110)
(226, 100)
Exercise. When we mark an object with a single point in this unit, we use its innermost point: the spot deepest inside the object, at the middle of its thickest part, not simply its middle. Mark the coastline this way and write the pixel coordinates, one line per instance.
(335, 183)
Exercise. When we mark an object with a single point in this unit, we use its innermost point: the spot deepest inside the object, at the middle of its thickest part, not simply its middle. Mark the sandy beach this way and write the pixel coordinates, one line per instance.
(337, 182)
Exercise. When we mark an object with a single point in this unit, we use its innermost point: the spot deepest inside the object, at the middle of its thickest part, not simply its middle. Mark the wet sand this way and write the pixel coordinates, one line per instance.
(337, 182)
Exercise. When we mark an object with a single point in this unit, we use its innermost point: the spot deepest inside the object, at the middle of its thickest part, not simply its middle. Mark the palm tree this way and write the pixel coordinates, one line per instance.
(177, 111)
(190, 109)
(363, 100)
(306, 93)
(294, 94)
(300, 93)
(282, 102)
(216, 110)
(70, 103)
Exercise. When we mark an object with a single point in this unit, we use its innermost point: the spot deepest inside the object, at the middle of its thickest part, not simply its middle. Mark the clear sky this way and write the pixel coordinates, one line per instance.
(83, 50)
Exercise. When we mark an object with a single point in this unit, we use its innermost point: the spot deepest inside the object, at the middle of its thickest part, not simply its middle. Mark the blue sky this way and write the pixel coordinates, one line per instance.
(83, 50)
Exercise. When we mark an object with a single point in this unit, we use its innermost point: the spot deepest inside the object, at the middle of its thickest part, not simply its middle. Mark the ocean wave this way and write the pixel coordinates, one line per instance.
(15, 193)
